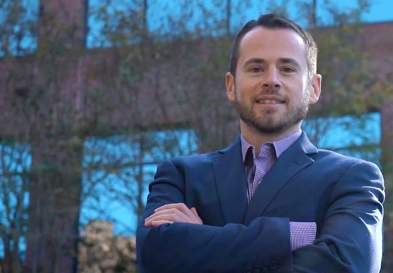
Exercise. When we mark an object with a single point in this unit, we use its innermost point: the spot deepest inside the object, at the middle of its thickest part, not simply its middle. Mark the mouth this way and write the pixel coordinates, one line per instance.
(269, 101)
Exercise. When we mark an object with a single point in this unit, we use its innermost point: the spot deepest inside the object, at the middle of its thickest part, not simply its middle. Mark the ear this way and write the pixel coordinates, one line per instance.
(230, 86)
(315, 88)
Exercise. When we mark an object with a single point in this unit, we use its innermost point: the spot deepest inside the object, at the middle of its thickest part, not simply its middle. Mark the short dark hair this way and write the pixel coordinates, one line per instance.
(273, 21)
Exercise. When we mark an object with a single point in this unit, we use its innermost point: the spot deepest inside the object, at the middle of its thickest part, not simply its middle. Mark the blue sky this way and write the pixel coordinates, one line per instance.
(381, 10)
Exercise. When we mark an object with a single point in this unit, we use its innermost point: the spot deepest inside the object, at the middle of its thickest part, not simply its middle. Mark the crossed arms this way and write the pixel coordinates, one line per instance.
(173, 239)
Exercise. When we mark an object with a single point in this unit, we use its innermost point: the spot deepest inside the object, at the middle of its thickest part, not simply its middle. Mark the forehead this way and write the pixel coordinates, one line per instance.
(272, 44)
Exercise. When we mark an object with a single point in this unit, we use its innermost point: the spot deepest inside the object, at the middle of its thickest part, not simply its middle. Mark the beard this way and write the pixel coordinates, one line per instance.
(270, 122)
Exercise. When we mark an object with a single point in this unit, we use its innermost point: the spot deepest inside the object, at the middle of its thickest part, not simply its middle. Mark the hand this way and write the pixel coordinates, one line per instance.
(171, 213)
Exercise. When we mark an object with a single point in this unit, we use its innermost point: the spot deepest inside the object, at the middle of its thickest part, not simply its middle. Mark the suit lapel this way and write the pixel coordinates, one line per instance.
(230, 181)
(289, 164)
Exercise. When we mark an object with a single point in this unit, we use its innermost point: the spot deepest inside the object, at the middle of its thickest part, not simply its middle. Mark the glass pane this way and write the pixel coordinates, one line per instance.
(357, 136)
(18, 19)
(118, 169)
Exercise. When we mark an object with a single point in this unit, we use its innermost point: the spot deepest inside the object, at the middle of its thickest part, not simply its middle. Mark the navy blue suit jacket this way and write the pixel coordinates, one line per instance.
(342, 195)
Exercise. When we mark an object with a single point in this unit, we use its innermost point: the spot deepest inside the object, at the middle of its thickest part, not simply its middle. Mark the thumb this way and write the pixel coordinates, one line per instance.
(193, 209)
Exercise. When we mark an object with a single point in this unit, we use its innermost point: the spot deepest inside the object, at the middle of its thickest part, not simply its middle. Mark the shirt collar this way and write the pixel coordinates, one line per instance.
(279, 145)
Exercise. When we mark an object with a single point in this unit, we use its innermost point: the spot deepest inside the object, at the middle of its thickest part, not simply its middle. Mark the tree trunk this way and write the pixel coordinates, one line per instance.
(387, 166)
(55, 187)
(387, 137)
(54, 206)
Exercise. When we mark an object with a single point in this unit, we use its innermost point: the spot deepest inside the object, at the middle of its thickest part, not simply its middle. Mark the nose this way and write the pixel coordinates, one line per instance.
(271, 79)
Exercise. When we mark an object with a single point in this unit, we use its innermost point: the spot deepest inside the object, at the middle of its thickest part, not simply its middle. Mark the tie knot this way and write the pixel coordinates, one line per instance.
(267, 151)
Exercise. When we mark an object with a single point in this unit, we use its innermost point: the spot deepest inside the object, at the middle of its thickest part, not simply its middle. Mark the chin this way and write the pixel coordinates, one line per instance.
(271, 129)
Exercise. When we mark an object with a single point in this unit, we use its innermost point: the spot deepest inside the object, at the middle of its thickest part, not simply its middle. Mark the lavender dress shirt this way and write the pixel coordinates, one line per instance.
(257, 164)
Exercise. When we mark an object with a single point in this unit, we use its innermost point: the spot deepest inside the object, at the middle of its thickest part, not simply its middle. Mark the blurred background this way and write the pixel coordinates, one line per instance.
(94, 94)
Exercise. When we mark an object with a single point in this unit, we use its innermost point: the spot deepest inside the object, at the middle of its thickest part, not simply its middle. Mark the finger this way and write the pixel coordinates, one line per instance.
(170, 214)
(168, 211)
(165, 217)
(177, 206)
(172, 205)
(178, 212)
(164, 214)
(189, 212)
(177, 216)
(193, 209)
(159, 217)
(198, 219)
(161, 222)
(157, 223)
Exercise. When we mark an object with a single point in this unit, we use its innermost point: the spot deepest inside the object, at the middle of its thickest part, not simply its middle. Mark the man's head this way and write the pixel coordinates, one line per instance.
(272, 78)
(272, 21)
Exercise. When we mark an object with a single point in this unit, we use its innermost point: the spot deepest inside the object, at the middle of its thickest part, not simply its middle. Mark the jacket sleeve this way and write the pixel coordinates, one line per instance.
(261, 246)
(350, 239)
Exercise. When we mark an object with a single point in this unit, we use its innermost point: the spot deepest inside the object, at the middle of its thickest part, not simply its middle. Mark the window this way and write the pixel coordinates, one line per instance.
(118, 169)
(357, 136)
(18, 27)
(15, 161)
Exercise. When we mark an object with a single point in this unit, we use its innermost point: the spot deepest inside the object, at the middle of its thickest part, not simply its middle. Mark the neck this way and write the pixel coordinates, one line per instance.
(258, 138)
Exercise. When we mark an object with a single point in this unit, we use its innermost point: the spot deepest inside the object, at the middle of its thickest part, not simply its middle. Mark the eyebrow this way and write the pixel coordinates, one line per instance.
(289, 61)
(281, 61)
(255, 61)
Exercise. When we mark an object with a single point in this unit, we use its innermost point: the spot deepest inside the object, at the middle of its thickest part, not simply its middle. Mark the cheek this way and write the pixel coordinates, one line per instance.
(247, 89)
(296, 89)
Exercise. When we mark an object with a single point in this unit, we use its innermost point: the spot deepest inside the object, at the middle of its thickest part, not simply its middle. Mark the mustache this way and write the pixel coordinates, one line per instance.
(270, 94)
(270, 89)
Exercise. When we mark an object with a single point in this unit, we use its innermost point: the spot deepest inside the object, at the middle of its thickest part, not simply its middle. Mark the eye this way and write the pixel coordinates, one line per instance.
(288, 69)
(255, 69)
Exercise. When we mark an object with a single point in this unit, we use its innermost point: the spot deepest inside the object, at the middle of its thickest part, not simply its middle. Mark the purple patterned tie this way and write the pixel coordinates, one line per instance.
(258, 167)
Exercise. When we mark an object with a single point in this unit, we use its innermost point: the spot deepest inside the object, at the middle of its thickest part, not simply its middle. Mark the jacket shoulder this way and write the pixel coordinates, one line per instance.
(336, 159)
(194, 159)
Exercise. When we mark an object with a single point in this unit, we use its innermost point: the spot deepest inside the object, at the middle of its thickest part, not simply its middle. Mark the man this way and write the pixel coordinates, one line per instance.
(272, 201)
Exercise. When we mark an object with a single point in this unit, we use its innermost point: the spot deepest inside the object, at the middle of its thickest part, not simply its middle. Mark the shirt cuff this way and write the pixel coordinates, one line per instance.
(302, 233)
